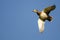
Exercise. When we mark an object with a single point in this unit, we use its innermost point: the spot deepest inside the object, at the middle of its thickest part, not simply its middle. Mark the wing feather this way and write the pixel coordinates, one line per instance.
(49, 9)
(41, 25)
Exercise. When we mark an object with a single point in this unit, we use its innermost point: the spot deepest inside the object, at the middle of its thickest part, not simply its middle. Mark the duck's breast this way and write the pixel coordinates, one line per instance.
(43, 15)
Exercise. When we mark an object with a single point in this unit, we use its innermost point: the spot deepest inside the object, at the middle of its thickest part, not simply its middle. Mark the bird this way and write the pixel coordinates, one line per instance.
(43, 16)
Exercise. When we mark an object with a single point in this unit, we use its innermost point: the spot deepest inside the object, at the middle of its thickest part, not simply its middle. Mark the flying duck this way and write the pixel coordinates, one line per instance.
(44, 15)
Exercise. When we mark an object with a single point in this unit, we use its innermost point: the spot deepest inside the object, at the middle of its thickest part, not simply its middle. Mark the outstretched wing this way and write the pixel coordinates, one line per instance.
(41, 25)
(50, 8)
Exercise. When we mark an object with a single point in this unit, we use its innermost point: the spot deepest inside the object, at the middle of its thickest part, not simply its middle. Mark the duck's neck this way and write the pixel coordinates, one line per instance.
(38, 13)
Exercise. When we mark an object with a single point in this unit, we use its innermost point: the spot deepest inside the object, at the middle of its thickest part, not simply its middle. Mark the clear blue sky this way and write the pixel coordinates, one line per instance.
(18, 22)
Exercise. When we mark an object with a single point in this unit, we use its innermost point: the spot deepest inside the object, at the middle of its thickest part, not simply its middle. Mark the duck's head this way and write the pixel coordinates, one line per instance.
(35, 10)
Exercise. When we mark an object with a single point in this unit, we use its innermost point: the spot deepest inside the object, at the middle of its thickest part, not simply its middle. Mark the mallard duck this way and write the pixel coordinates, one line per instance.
(44, 15)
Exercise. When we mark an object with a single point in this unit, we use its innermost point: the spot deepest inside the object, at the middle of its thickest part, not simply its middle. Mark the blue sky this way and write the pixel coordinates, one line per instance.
(18, 22)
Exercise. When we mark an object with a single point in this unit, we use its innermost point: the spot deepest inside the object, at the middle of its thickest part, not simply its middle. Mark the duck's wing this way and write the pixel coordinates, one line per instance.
(49, 9)
(41, 25)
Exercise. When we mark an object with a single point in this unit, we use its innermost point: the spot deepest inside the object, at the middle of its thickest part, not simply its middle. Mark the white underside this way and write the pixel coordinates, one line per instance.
(41, 25)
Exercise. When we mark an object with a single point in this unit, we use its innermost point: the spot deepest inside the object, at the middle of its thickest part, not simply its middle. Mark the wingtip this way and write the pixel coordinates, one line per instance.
(41, 31)
(54, 5)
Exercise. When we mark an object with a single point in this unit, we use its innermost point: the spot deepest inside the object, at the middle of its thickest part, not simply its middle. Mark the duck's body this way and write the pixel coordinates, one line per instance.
(44, 15)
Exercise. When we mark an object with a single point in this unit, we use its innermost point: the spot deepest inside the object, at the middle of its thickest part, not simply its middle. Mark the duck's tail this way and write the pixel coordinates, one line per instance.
(49, 18)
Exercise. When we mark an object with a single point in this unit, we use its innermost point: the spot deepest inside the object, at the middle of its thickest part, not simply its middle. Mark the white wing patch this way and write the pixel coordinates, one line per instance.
(41, 25)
